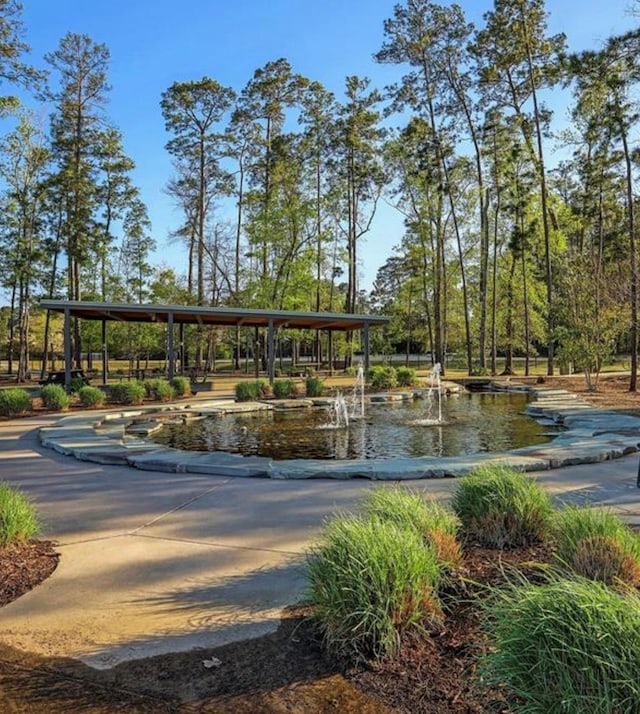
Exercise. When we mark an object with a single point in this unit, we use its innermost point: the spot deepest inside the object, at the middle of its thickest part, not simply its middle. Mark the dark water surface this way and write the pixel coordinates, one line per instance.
(474, 423)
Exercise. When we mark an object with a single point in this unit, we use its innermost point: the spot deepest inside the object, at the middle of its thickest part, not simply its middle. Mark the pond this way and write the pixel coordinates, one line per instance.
(473, 423)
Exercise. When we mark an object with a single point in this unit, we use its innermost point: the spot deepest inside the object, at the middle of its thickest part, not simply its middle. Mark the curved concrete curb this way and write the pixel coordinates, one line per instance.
(591, 436)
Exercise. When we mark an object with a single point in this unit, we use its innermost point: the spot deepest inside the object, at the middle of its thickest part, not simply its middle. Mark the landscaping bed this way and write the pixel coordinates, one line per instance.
(23, 566)
(288, 670)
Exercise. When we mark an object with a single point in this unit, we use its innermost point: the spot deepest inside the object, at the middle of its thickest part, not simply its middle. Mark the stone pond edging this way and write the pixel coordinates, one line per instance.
(120, 437)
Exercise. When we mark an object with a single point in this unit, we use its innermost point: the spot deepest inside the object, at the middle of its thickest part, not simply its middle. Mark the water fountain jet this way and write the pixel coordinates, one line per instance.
(357, 397)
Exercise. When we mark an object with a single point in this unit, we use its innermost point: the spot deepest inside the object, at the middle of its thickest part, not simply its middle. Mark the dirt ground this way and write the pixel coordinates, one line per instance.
(286, 672)
(612, 391)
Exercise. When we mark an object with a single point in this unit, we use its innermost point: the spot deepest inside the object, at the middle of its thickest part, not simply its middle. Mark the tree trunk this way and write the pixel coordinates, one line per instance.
(633, 333)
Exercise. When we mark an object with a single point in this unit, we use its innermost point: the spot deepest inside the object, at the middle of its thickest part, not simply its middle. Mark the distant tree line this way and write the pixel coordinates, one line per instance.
(506, 250)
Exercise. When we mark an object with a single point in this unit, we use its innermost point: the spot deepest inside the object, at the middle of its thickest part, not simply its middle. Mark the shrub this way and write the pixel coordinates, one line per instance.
(407, 376)
(250, 391)
(596, 544)
(383, 377)
(18, 519)
(91, 396)
(55, 398)
(370, 581)
(501, 508)
(314, 387)
(284, 388)
(149, 385)
(159, 389)
(75, 385)
(14, 402)
(128, 393)
(246, 391)
(436, 524)
(181, 386)
(570, 646)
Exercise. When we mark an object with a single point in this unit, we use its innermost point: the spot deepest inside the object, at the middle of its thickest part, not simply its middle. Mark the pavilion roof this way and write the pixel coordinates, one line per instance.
(229, 316)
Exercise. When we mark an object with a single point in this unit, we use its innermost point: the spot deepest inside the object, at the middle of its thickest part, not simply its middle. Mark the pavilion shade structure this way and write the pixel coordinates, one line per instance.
(209, 316)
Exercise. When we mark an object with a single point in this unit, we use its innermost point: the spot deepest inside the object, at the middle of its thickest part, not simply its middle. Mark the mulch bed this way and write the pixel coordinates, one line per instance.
(23, 566)
(439, 675)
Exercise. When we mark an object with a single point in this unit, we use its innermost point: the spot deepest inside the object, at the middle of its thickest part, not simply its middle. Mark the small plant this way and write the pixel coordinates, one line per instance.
(246, 391)
(159, 389)
(264, 389)
(128, 393)
(314, 387)
(75, 385)
(250, 391)
(91, 396)
(501, 508)
(181, 386)
(18, 519)
(570, 646)
(407, 376)
(478, 371)
(55, 398)
(14, 402)
(436, 524)
(596, 544)
(383, 377)
(284, 388)
(370, 581)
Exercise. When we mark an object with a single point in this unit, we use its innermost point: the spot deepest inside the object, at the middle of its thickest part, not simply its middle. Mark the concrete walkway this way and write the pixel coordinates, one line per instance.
(155, 562)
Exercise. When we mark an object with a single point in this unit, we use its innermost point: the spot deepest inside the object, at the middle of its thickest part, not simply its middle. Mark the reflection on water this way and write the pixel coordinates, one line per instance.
(473, 423)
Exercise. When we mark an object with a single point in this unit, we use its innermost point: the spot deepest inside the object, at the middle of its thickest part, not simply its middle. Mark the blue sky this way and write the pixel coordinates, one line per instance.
(156, 42)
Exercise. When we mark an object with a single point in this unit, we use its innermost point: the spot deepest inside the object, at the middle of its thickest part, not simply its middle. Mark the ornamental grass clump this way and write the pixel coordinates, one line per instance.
(91, 397)
(407, 376)
(55, 398)
(314, 387)
(181, 386)
(284, 388)
(250, 391)
(128, 393)
(14, 402)
(18, 518)
(371, 581)
(247, 391)
(596, 544)
(567, 646)
(502, 508)
(436, 524)
(382, 377)
(159, 389)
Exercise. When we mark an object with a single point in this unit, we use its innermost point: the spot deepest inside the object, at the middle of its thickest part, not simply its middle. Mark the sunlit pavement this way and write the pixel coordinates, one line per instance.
(156, 562)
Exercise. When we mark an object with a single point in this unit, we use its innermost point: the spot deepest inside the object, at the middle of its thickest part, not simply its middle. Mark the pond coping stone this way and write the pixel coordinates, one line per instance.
(592, 435)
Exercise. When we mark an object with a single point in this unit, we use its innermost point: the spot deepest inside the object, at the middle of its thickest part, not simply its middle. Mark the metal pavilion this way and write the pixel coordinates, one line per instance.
(189, 315)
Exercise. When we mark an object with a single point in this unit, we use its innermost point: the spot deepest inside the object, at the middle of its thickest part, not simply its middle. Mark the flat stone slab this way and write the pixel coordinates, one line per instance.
(292, 403)
(391, 397)
(234, 407)
(219, 463)
(163, 459)
(111, 454)
(145, 428)
(399, 469)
